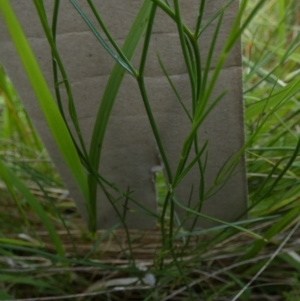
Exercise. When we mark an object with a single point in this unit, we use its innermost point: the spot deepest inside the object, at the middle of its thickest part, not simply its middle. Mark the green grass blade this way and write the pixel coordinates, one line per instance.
(58, 64)
(285, 221)
(285, 93)
(100, 38)
(110, 38)
(12, 180)
(45, 99)
(231, 225)
(110, 94)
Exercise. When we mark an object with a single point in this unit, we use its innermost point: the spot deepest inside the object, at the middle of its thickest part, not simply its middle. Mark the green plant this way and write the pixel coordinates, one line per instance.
(76, 155)
(272, 109)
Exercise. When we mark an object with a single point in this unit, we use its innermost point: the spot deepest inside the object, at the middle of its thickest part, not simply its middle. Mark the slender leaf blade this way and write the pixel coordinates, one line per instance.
(45, 99)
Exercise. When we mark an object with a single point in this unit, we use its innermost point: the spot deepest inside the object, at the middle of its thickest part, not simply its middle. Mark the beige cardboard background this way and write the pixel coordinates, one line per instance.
(130, 150)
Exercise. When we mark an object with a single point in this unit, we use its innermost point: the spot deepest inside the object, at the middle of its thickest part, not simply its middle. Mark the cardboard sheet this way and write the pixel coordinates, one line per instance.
(130, 151)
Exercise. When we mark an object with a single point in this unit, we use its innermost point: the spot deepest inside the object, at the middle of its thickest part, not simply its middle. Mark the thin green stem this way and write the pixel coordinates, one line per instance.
(144, 95)
(111, 91)
(56, 57)
(187, 58)
(100, 38)
(199, 19)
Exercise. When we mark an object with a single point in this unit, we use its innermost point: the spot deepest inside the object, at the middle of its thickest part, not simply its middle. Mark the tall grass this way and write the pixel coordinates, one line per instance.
(202, 268)
(76, 155)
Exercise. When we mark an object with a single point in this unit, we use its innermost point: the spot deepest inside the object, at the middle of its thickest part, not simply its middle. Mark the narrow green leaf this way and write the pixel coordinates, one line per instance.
(282, 93)
(13, 279)
(110, 94)
(100, 38)
(231, 225)
(19, 242)
(286, 220)
(45, 99)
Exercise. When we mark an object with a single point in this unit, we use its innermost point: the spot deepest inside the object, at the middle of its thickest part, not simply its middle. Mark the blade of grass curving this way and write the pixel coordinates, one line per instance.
(56, 61)
(286, 220)
(47, 104)
(110, 94)
(222, 227)
(12, 181)
(143, 92)
(231, 225)
(281, 204)
(288, 165)
(117, 58)
(54, 66)
(141, 84)
(188, 63)
(285, 93)
(110, 38)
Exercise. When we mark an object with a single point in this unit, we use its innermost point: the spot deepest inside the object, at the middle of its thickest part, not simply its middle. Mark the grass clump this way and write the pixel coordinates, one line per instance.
(46, 252)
